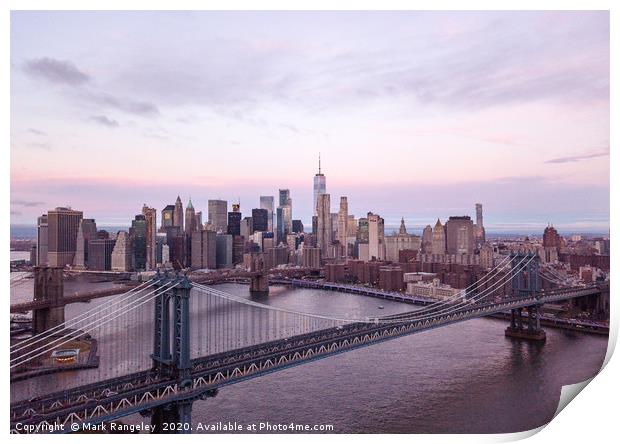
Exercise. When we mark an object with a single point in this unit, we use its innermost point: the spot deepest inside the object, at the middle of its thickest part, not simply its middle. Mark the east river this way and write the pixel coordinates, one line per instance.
(463, 378)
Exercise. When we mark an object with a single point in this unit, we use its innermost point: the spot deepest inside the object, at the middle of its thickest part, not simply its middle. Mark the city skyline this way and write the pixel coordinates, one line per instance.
(497, 124)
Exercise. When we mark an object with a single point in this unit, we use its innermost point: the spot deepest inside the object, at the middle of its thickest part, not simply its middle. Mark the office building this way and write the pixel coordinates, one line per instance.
(234, 221)
(177, 216)
(246, 227)
(311, 257)
(324, 224)
(298, 226)
(224, 250)
(138, 241)
(320, 187)
(479, 234)
(260, 219)
(42, 240)
(343, 225)
(122, 253)
(217, 213)
(167, 217)
(459, 235)
(439, 239)
(376, 237)
(427, 240)
(204, 248)
(190, 217)
(266, 203)
(62, 226)
(100, 252)
(150, 216)
(86, 231)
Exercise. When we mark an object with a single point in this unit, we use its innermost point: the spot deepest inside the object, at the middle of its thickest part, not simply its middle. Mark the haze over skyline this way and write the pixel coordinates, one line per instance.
(416, 114)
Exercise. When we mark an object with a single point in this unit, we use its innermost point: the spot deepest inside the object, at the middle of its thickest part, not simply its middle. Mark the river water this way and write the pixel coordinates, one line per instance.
(464, 378)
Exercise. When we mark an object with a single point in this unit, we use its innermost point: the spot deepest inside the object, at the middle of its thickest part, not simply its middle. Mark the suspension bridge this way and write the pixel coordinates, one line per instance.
(170, 341)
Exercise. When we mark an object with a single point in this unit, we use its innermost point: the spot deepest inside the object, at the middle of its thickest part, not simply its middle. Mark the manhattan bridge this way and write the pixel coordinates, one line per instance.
(203, 339)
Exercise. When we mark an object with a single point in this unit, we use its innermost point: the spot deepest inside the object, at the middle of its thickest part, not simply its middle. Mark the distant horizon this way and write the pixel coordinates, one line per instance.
(388, 230)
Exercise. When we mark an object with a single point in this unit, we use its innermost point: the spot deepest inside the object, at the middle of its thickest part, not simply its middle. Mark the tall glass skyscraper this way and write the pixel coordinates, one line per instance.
(266, 203)
(319, 186)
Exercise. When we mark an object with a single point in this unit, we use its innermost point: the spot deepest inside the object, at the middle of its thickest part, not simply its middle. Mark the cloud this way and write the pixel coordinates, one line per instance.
(579, 158)
(36, 132)
(40, 145)
(105, 121)
(26, 203)
(501, 59)
(129, 106)
(56, 71)
(15, 213)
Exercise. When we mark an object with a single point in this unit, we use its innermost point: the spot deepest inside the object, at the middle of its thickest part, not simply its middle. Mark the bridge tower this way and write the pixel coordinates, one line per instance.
(259, 279)
(171, 350)
(49, 287)
(526, 284)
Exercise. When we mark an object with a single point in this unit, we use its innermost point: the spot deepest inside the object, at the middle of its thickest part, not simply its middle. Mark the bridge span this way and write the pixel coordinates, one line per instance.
(167, 389)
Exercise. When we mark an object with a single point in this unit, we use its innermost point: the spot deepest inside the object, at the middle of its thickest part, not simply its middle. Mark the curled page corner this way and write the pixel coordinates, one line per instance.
(568, 394)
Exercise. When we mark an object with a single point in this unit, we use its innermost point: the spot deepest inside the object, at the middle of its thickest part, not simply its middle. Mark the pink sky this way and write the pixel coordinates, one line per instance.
(415, 114)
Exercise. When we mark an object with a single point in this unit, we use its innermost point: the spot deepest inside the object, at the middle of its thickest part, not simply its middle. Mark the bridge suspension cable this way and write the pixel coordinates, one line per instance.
(475, 299)
(133, 305)
(117, 300)
(454, 308)
(463, 293)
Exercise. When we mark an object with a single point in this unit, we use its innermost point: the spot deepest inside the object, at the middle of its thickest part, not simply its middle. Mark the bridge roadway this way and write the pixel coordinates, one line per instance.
(23, 307)
(213, 277)
(354, 289)
(122, 396)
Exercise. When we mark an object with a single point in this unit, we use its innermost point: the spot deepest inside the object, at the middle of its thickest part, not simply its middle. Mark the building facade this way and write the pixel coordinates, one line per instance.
(63, 224)
(122, 253)
(218, 215)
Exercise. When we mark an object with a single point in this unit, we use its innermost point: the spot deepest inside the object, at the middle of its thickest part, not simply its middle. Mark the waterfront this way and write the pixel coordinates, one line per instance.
(462, 378)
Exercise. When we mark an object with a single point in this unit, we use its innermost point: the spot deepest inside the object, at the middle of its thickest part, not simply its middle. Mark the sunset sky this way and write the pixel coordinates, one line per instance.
(415, 114)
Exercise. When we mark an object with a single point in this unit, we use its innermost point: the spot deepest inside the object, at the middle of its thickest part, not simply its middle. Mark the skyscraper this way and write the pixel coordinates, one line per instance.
(190, 217)
(439, 239)
(284, 214)
(137, 236)
(203, 249)
(122, 253)
(234, 221)
(479, 227)
(42, 240)
(343, 223)
(100, 252)
(376, 237)
(63, 224)
(284, 196)
(319, 187)
(217, 214)
(86, 231)
(459, 235)
(260, 218)
(150, 215)
(177, 217)
(427, 240)
(167, 216)
(324, 224)
(266, 203)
